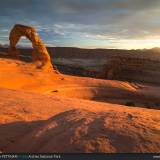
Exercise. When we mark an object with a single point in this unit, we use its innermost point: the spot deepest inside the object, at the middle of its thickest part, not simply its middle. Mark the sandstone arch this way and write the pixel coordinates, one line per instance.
(40, 54)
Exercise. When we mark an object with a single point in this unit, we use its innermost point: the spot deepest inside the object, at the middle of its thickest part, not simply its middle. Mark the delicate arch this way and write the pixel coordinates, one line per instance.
(39, 54)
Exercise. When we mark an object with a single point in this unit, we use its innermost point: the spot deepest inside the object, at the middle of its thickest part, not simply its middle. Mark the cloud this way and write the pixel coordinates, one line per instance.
(76, 21)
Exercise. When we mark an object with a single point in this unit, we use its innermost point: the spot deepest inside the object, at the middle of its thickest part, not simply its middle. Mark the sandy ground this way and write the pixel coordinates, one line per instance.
(47, 112)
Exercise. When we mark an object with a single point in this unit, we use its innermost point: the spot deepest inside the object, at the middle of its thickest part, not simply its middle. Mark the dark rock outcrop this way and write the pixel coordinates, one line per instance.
(132, 69)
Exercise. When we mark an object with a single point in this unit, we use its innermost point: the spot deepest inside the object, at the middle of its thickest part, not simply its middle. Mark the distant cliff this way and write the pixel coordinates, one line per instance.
(127, 65)
(132, 69)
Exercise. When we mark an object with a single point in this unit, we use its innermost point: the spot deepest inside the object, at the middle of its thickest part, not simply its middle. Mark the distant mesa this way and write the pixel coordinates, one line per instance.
(40, 54)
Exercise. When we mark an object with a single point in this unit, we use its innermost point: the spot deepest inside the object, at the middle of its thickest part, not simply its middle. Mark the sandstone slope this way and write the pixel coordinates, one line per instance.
(41, 123)
(46, 112)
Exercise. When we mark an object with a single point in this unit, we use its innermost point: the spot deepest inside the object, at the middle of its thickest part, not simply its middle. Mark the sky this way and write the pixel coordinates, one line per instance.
(124, 24)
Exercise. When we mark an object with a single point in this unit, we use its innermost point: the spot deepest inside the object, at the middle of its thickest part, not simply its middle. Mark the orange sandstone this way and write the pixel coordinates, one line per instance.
(40, 54)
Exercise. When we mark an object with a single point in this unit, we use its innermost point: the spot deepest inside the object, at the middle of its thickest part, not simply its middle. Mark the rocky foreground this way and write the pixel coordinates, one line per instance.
(46, 112)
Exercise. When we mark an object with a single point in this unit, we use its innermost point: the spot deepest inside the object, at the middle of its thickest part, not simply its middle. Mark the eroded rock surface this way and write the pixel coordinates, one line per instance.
(79, 126)
(40, 54)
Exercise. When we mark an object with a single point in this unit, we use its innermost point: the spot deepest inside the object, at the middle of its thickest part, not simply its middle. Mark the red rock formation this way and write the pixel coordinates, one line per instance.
(132, 69)
(40, 54)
